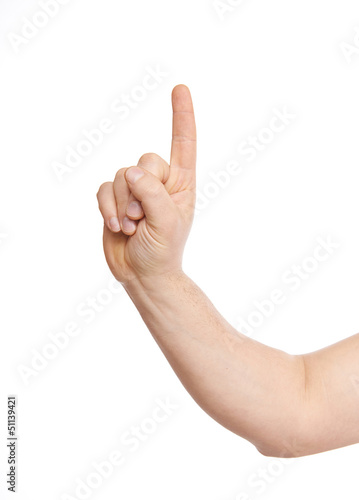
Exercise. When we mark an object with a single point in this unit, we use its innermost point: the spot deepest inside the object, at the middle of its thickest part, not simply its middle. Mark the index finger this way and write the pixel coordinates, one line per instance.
(184, 138)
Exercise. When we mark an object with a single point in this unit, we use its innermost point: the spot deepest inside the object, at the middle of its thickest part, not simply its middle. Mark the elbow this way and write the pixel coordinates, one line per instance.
(290, 439)
(289, 446)
(291, 436)
(274, 452)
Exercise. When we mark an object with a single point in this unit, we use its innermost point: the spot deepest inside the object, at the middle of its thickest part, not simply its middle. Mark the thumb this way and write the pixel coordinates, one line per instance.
(152, 194)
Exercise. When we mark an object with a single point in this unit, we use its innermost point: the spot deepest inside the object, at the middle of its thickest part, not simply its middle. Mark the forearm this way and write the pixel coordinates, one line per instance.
(255, 391)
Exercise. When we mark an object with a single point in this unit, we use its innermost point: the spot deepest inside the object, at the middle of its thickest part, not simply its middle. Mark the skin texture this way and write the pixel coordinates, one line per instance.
(286, 405)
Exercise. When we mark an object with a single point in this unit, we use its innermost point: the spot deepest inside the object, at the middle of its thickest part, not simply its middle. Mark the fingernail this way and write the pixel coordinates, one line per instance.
(134, 209)
(128, 225)
(115, 224)
(133, 174)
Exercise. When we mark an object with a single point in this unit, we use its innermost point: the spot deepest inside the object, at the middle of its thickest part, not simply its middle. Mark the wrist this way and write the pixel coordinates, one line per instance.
(151, 284)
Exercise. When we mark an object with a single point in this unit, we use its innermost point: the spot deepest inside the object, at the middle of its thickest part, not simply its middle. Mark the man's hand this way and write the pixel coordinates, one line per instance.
(148, 209)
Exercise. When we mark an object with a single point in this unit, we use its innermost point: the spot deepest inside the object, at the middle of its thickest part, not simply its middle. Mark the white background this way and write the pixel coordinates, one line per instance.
(261, 56)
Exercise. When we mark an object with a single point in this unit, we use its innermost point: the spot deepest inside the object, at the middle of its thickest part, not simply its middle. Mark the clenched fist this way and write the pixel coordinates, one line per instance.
(148, 209)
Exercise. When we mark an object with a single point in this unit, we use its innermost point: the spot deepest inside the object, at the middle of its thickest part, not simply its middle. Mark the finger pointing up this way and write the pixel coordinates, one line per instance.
(184, 140)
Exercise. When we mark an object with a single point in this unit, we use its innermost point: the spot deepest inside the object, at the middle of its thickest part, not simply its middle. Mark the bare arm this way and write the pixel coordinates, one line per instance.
(331, 411)
(285, 405)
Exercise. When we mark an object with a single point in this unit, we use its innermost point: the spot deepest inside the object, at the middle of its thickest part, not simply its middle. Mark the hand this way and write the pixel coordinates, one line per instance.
(148, 209)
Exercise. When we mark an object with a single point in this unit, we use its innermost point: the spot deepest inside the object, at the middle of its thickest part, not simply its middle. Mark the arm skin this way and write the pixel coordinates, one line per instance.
(286, 405)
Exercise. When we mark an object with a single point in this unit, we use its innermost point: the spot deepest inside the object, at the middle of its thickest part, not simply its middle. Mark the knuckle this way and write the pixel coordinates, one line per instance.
(102, 188)
(120, 210)
(120, 174)
(121, 203)
(149, 159)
